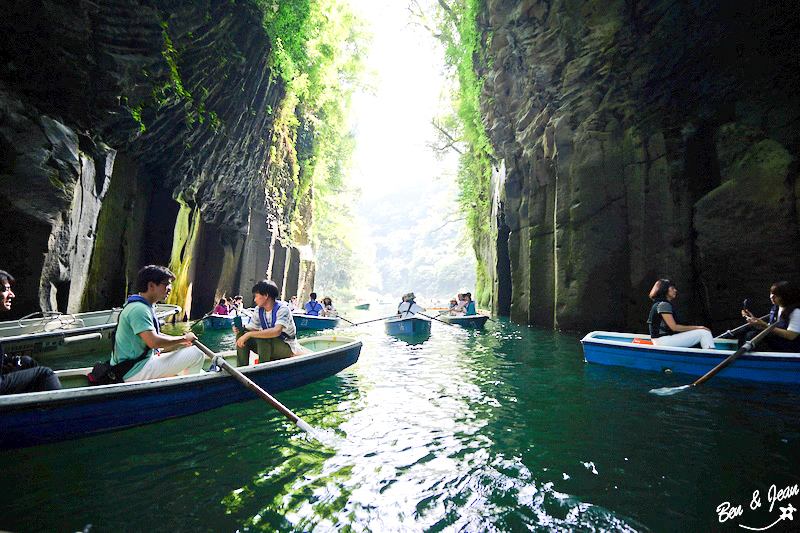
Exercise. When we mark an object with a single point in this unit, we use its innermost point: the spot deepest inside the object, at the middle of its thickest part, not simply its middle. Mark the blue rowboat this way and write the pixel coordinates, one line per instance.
(215, 321)
(408, 326)
(79, 410)
(305, 322)
(635, 351)
(471, 321)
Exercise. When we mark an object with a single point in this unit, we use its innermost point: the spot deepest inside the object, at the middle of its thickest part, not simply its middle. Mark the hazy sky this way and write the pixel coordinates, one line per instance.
(393, 126)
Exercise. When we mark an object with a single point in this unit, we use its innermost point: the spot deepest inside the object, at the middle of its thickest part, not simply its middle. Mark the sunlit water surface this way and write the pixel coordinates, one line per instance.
(505, 429)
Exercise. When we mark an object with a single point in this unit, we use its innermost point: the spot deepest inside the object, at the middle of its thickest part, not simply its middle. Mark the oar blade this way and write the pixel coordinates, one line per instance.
(668, 391)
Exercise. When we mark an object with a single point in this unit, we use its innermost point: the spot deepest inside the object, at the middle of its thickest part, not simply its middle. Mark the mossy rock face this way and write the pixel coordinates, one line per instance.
(184, 95)
(633, 137)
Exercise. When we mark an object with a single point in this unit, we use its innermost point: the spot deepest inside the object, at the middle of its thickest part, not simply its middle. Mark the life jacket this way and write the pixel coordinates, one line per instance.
(655, 321)
(262, 317)
(783, 323)
(113, 337)
(316, 307)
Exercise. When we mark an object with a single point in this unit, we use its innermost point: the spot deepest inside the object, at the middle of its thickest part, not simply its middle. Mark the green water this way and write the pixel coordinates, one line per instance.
(501, 430)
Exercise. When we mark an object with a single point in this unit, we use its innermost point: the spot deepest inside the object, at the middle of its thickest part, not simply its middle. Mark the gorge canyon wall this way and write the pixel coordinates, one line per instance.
(136, 132)
(639, 140)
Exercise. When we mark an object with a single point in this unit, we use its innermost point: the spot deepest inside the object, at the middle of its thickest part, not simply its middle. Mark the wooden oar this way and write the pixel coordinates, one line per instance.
(343, 318)
(732, 331)
(250, 384)
(436, 319)
(193, 324)
(375, 320)
(749, 345)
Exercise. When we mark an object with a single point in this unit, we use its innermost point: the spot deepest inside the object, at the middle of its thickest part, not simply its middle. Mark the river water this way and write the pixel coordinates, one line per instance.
(505, 429)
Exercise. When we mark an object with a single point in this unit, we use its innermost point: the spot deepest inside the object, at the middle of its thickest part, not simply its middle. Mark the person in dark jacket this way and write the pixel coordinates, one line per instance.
(785, 337)
(21, 373)
(664, 328)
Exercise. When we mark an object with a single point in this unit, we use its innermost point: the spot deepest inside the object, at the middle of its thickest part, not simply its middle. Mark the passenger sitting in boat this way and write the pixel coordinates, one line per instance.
(453, 304)
(271, 333)
(664, 329)
(402, 301)
(221, 308)
(786, 312)
(293, 303)
(469, 308)
(409, 307)
(21, 373)
(139, 339)
(327, 307)
(313, 307)
(462, 301)
(238, 304)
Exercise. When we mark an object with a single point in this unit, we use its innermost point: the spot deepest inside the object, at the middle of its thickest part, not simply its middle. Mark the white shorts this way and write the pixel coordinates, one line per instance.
(187, 360)
(687, 339)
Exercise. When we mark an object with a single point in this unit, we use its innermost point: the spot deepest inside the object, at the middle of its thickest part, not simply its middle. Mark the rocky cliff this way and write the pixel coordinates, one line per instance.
(136, 132)
(641, 140)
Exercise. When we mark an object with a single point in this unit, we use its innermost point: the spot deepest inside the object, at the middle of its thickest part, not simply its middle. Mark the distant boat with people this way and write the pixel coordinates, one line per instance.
(312, 322)
(408, 326)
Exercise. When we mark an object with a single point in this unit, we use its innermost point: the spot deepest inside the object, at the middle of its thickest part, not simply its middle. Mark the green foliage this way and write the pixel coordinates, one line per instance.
(417, 247)
(455, 25)
(345, 256)
(319, 49)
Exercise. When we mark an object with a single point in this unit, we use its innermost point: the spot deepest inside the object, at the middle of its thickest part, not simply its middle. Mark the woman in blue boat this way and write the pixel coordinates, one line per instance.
(221, 308)
(469, 308)
(327, 307)
(786, 312)
(664, 328)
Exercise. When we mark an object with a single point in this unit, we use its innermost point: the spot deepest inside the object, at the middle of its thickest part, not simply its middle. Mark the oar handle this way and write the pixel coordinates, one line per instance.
(436, 319)
(250, 384)
(749, 345)
(375, 320)
(732, 331)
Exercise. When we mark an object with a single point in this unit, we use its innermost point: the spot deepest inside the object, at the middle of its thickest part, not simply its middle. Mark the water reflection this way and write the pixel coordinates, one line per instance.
(506, 429)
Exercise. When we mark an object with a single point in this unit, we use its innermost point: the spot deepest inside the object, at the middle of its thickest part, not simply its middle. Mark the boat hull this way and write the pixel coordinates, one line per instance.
(309, 322)
(618, 349)
(57, 336)
(362, 306)
(217, 322)
(472, 321)
(41, 417)
(408, 326)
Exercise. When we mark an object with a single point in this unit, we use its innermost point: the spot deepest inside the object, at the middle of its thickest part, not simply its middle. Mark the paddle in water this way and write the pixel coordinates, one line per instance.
(749, 345)
(250, 384)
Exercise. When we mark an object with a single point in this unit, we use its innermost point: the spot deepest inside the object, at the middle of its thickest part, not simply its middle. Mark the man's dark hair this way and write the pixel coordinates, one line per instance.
(313, 295)
(5, 277)
(155, 273)
(266, 287)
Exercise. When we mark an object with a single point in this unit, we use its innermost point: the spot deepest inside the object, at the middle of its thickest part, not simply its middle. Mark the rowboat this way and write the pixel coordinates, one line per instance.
(637, 351)
(408, 326)
(362, 306)
(79, 410)
(306, 322)
(53, 335)
(215, 321)
(471, 321)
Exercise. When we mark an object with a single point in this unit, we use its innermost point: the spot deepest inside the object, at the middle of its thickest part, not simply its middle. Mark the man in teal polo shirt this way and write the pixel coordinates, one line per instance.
(139, 334)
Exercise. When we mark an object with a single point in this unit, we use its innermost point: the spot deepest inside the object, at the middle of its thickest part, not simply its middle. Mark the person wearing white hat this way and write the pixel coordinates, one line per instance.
(409, 307)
